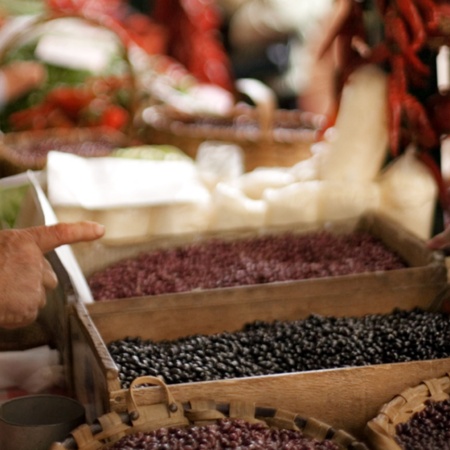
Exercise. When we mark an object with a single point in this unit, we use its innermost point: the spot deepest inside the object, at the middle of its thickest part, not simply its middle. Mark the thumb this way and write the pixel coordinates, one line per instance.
(49, 237)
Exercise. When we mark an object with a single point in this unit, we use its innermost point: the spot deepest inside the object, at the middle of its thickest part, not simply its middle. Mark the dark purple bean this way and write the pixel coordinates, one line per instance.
(219, 263)
(40, 147)
(226, 434)
(428, 429)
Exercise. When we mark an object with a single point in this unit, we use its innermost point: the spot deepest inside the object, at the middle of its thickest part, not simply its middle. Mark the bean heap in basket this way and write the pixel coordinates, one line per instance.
(429, 428)
(225, 434)
(266, 348)
(220, 263)
(41, 147)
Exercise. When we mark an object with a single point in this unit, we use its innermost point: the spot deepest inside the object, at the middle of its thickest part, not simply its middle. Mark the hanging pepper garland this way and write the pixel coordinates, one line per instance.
(412, 31)
(194, 38)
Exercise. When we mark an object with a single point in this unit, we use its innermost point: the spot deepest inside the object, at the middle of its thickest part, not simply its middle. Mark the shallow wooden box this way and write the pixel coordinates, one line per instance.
(425, 275)
(345, 398)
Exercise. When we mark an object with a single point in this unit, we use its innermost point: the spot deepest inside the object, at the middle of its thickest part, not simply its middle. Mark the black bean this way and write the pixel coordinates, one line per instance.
(314, 343)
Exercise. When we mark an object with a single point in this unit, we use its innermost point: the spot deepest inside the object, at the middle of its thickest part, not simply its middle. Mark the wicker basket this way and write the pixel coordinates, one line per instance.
(268, 136)
(111, 427)
(381, 430)
(17, 149)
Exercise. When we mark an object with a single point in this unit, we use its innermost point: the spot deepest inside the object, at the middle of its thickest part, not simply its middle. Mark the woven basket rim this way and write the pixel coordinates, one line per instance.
(14, 146)
(231, 127)
(381, 430)
(112, 426)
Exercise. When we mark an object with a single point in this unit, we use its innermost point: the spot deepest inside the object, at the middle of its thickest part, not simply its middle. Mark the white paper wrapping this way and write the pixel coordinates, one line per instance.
(106, 183)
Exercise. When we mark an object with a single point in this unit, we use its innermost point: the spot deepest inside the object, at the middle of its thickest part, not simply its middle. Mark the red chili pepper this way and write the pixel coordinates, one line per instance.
(419, 122)
(71, 100)
(431, 13)
(59, 119)
(379, 54)
(414, 20)
(30, 118)
(398, 68)
(397, 35)
(115, 117)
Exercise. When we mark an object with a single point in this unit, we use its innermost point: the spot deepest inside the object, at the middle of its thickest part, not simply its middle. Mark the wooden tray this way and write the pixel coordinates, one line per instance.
(425, 276)
(346, 398)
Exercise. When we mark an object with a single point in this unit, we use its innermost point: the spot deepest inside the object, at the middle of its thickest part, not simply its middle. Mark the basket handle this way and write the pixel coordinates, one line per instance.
(266, 103)
(132, 406)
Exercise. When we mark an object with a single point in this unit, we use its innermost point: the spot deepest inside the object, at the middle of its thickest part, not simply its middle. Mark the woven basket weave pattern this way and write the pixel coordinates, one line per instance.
(381, 430)
(169, 413)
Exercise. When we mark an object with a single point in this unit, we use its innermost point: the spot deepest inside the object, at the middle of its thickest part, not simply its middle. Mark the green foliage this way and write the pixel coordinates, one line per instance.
(10, 202)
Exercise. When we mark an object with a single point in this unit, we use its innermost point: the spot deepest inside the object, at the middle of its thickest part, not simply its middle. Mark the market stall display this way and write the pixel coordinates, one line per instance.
(336, 344)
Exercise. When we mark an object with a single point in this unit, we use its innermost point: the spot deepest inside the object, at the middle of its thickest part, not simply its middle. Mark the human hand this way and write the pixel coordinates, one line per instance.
(25, 274)
(22, 77)
(440, 241)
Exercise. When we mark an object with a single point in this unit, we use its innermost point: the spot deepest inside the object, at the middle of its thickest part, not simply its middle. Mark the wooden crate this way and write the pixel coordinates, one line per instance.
(425, 275)
(346, 398)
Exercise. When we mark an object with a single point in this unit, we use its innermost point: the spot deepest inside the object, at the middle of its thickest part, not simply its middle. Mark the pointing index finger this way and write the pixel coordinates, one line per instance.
(49, 237)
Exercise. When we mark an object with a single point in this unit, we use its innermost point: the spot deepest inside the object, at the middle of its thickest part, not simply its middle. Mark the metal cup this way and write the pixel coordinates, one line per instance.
(34, 422)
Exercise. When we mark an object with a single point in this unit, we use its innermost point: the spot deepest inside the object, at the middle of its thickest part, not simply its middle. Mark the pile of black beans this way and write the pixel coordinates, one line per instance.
(217, 263)
(428, 429)
(225, 434)
(263, 348)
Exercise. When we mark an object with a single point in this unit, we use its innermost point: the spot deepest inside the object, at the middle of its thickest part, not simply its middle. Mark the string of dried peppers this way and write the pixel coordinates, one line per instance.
(412, 33)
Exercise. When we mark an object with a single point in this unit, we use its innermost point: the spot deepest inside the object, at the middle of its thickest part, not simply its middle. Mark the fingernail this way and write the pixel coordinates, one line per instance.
(99, 229)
